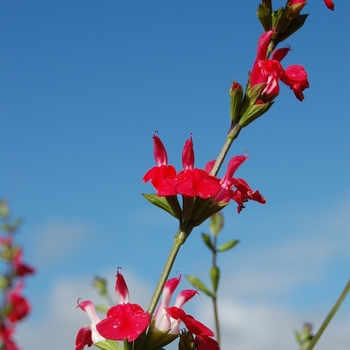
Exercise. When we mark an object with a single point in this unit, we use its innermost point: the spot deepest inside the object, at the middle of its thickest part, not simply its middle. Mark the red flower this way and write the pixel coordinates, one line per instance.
(203, 340)
(88, 334)
(124, 321)
(20, 268)
(20, 306)
(194, 182)
(295, 77)
(163, 321)
(190, 182)
(243, 192)
(162, 176)
(270, 71)
(329, 4)
(6, 337)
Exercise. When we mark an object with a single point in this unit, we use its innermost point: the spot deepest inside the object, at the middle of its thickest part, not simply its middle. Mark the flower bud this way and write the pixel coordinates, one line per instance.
(236, 94)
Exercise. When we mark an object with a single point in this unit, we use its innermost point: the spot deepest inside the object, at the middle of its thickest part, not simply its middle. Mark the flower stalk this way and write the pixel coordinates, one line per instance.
(329, 316)
(231, 136)
(179, 240)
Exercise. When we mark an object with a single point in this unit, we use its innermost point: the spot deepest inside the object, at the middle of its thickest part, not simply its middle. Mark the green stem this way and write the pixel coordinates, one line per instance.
(216, 319)
(179, 239)
(215, 305)
(330, 316)
(231, 136)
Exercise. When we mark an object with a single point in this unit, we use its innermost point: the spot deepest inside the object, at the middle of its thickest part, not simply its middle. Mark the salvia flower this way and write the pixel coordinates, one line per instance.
(194, 182)
(236, 188)
(125, 321)
(162, 176)
(169, 318)
(19, 305)
(270, 71)
(88, 334)
(191, 183)
(203, 339)
(163, 321)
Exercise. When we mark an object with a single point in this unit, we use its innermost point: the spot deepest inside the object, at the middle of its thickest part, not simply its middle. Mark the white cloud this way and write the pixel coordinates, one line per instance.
(58, 239)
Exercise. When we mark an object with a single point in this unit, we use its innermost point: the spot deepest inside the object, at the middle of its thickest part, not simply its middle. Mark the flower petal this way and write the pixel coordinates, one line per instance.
(121, 289)
(124, 322)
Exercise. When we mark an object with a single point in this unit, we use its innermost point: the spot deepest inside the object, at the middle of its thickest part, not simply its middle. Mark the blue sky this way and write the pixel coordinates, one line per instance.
(83, 88)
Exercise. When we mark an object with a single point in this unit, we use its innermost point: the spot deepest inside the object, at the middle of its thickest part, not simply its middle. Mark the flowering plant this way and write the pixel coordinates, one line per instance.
(15, 307)
(192, 195)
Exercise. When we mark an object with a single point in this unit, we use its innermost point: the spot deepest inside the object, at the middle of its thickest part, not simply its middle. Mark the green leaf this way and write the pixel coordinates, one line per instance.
(253, 112)
(215, 277)
(216, 224)
(278, 18)
(158, 339)
(4, 282)
(108, 345)
(264, 15)
(207, 240)
(4, 209)
(209, 211)
(297, 337)
(228, 245)
(101, 308)
(162, 203)
(295, 25)
(196, 282)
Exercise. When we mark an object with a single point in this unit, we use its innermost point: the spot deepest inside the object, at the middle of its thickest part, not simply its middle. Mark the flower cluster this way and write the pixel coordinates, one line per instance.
(194, 183)
(15, 307)
(127, 322)
(270, 71)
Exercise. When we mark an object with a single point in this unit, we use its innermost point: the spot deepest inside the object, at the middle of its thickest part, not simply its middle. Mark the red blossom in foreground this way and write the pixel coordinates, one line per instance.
(203, 339)
(124, 321)
(88, 335)
(270, 71)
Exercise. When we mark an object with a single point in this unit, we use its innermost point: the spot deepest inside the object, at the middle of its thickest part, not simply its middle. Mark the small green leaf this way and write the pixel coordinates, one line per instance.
(216, 224)
(4, 209)
(297, 337)
(108, 345)
(155, 339)
(228, 245)
(207, 240)
(4, 282)
(215, 277)
(196, 282)
(162, 203)
(101, 285)
(101, 308)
